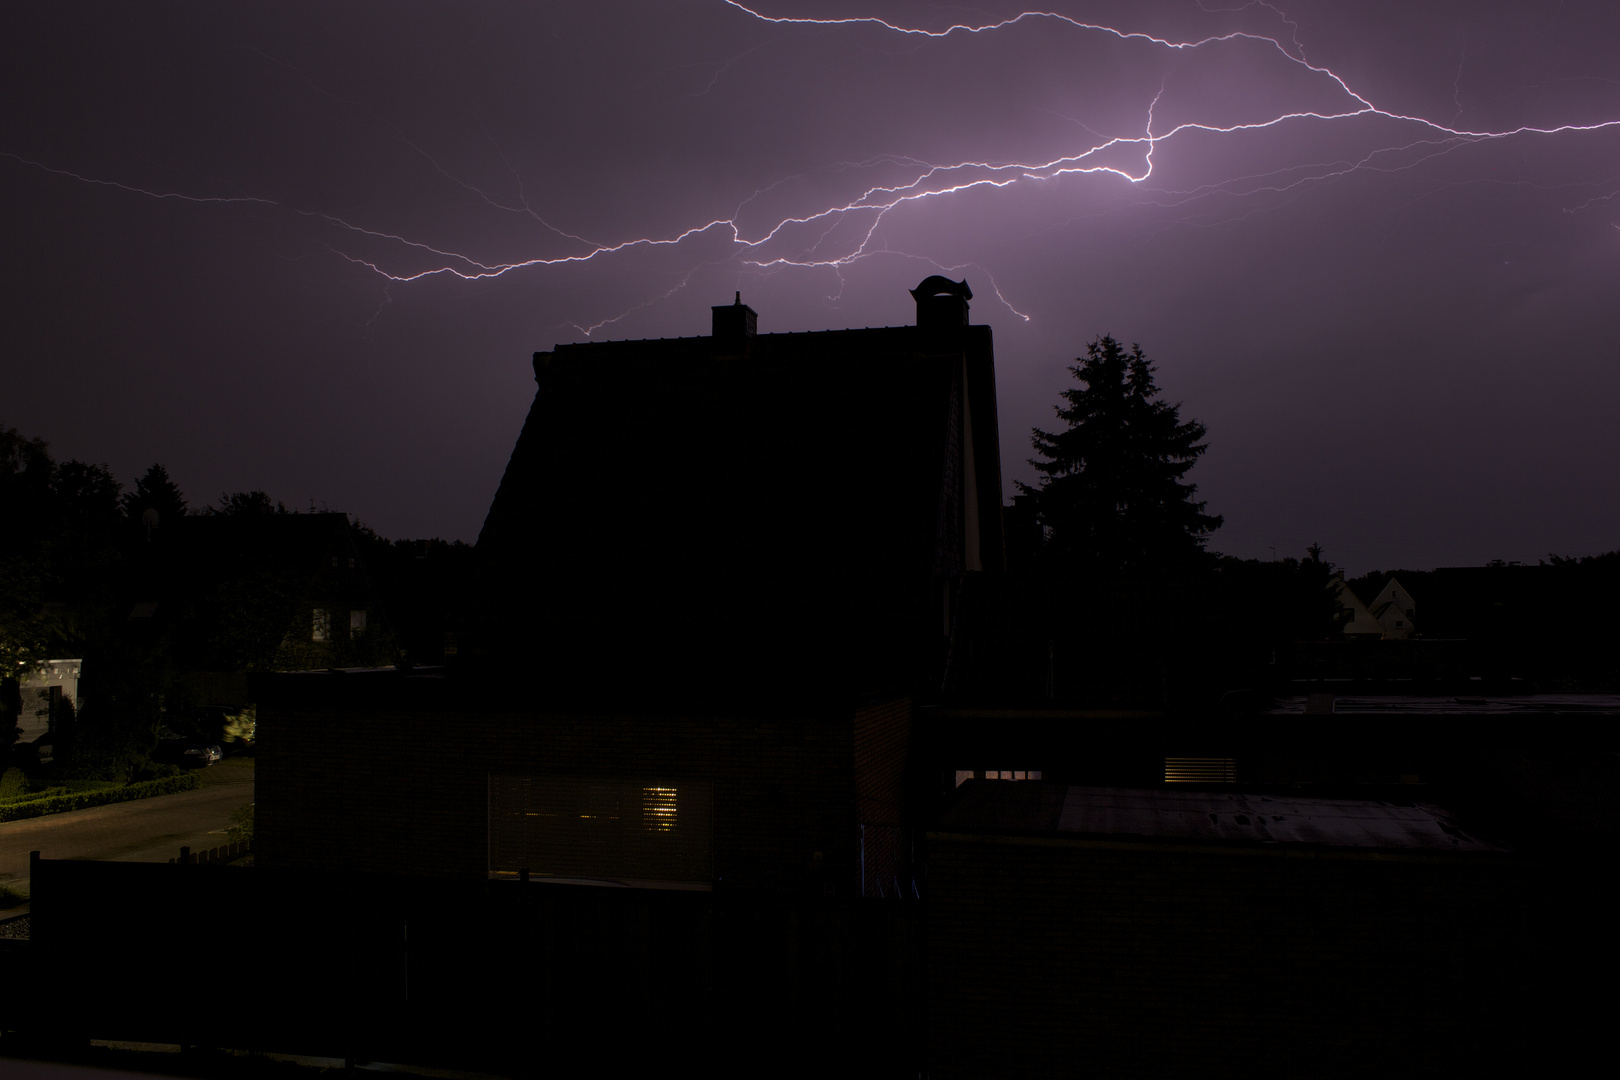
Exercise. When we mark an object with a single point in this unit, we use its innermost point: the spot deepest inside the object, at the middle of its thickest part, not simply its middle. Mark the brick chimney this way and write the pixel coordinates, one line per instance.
(735, 321)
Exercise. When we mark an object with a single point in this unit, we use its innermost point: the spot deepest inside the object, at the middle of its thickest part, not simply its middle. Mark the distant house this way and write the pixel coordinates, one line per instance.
(1395, 610)
(51, 687)
(1391, 615)
(1362, 623)
(239, 594)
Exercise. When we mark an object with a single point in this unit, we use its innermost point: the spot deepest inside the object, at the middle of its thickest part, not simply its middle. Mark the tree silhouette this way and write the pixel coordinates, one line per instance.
(247, 504)
(1111, 496)
(154, 492)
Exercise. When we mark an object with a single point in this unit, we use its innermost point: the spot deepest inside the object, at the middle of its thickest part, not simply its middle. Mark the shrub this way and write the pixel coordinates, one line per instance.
(153, 770)
(242, 831)
(13, 785)
(81, 800)
(77, 786)
(243, 725)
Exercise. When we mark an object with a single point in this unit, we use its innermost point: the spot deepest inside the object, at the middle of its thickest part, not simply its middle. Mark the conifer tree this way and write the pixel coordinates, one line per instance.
(1112, 496)
(157, 492)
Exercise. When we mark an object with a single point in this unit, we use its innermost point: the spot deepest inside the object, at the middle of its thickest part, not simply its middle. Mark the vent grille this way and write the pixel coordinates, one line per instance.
(1200, 770)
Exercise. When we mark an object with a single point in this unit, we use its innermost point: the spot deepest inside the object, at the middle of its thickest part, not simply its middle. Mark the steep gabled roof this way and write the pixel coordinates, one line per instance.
(734, 491)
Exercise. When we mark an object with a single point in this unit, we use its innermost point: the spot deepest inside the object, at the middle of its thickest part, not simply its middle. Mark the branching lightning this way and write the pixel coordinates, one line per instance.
(1126, 158)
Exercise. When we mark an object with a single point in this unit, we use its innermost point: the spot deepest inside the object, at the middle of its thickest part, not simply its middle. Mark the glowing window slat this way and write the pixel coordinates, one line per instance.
(658, 808)
(1200, 770)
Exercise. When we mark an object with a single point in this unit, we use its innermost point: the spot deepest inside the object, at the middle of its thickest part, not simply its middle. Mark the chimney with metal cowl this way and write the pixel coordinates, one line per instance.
(942, 304)
(735, 321)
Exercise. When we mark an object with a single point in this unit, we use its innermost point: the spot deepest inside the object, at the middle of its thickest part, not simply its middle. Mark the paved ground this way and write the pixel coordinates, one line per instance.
(141, 1061)
(144, 830)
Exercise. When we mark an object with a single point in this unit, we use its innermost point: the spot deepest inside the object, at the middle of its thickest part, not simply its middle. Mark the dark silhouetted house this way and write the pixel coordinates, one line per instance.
(715, 573)
(780, 507)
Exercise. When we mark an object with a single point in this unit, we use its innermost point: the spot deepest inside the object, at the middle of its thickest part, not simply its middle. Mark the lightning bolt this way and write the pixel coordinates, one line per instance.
(836, 234)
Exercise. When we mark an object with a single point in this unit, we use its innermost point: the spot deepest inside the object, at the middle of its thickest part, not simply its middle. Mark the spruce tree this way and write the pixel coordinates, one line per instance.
(155, 491)
(1111, 497)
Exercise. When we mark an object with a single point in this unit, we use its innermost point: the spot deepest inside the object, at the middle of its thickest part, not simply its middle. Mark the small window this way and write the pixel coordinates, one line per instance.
(634, 832)
(1200, 770)
(322, 629)
(357, 623)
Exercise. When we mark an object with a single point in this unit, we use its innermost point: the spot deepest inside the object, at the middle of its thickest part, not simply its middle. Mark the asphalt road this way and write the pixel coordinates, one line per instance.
(144, 830)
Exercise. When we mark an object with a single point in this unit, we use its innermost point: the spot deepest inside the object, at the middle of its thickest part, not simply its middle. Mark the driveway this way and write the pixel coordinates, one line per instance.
(144, 830)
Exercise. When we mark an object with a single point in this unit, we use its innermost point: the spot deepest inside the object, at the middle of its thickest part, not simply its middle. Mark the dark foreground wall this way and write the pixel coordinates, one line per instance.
(499, 976)
(1062, 957)
(1029, 956)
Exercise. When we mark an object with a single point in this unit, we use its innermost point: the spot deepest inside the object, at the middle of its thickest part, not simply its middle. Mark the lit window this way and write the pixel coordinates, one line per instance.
(602, 829)
(322, 630)
(658, 808)
(1196, 770)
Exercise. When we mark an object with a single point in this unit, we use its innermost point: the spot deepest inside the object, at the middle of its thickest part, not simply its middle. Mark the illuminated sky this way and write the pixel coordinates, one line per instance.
(309, 248)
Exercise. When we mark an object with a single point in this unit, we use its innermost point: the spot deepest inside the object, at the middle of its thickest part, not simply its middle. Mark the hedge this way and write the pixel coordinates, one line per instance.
(68, 787)
(83, 800)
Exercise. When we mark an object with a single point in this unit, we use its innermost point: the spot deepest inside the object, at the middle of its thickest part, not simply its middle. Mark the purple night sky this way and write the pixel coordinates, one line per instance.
(309, 247)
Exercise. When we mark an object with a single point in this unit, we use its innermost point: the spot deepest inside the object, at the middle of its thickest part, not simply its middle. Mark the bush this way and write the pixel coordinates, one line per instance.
(153, 770)
(13, 785)
(242, 831)
(81, 800)
(76, 787)
(243, 725)
(44, 789)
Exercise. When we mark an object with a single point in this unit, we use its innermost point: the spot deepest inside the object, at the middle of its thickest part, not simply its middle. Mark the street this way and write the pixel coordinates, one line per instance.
(144, 830)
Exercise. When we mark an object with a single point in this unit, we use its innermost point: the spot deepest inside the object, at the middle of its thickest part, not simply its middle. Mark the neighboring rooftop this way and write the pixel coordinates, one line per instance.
(1204, 816)
(1484, 705)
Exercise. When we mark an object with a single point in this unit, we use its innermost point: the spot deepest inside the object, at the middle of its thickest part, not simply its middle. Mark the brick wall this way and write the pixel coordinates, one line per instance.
(882, 747)
(396, 781)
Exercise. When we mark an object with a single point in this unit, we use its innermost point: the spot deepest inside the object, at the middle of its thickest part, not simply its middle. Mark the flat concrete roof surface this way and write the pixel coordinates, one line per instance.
(1454, 705)
(1205, 816)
